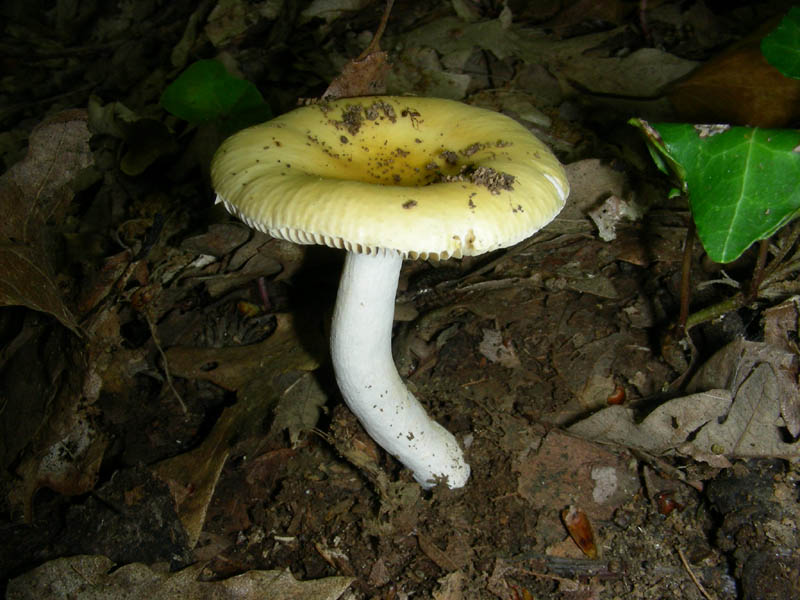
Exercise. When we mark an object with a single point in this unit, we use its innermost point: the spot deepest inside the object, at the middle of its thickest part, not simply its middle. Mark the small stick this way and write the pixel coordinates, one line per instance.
(686, 277)
(694, 578)
(735, 302)
(167, 374)
(643, 22)
(375, 44)
(758, 271)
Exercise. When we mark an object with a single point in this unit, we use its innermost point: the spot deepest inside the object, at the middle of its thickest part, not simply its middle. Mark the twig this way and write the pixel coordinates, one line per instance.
(778, 269)
(167, 375)
(643, 22)
(717, 310)
(686, 278)
(375, 44)
(785, 247)
(725, 280)
(758, 271)
(765, 277)
(665, 468)
(694, 578)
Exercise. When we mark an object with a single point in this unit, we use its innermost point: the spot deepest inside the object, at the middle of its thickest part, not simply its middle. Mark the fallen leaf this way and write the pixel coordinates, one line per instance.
(738, 416)
(27, 279)
(781, 324)
(330, 10)
(451, 586)
(493, 347)
(642, 73)
(587, 367)
(219, 239)
(229, 21)
(611, 212)
(366, 74)
(752, 426)
(732, 366)
(572, 18)
(239, 367)
(665, 429)
(436, 554)
(299, 407)
(567, 469)
(94, 577)
(250, 370)
(33, 193)
(58, 151)
(738, 87)
(363, 77)
(49, 423)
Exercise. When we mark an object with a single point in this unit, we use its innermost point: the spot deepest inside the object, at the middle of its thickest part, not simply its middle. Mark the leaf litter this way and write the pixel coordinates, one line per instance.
(265, 472)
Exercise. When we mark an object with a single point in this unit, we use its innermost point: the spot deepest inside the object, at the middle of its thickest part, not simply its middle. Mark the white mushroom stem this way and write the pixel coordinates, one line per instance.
(361, 349)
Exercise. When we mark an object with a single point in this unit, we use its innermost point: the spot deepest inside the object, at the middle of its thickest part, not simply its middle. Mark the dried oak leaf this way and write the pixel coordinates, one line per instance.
(738, 413)
(364, 77)
(33, 193)
(86, 576)
(251, 371)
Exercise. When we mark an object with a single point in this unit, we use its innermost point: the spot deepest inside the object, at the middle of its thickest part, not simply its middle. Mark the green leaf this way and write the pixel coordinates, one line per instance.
(743, 183)
(781, 48)
(655, 145)
(206, 93)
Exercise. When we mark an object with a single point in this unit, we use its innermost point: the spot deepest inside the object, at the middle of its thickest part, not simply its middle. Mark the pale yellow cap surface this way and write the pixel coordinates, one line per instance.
(425, 176)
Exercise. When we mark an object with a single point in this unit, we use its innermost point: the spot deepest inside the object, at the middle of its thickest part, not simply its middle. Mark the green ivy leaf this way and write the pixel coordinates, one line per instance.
(743, 183)
(658, 152)
(781, 48)
(205, 93)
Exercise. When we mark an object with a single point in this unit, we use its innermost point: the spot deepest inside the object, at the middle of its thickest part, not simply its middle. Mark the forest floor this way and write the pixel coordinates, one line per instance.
(169, 421)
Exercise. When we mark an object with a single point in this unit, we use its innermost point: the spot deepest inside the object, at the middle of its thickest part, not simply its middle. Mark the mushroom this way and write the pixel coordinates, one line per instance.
(388, 178)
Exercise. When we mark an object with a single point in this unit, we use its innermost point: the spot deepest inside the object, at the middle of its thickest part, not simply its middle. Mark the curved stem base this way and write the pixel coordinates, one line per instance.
(361, 350)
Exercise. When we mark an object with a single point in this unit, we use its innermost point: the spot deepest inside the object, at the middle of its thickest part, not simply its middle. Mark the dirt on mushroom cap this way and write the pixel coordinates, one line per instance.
(425, 176)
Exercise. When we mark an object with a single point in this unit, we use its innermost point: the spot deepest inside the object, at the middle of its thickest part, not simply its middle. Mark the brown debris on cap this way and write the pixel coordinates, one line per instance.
(427, 177)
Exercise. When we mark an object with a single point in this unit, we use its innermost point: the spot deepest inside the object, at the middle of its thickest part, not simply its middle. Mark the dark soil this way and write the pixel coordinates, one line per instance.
(191, 417)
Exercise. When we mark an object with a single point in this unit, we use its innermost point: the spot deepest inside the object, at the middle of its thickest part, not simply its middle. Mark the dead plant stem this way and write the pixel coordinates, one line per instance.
(375, 44)
(694, 577)
(758, 271)
(167, 375)
(717, 310)
(686, 278)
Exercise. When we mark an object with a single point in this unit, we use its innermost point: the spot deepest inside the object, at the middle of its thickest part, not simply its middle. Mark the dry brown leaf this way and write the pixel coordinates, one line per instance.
(498, 350)
(451, 586)
(34, 192)
(739, 87)
(27, 279)
(237, 367)
(781, 323)
(666, 428)
(588, 369)
(752, 426)
(250, 370)
(365, 75)
(566, 469)
(94, 578)
(738, 416)
(573, 17)
(734, 367)
(64, 451)
(58, 150)
(299, 408)
(611, 212)
(436, 554)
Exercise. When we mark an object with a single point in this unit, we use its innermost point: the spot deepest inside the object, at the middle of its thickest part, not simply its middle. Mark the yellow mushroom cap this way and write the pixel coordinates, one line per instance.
(425, 176)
